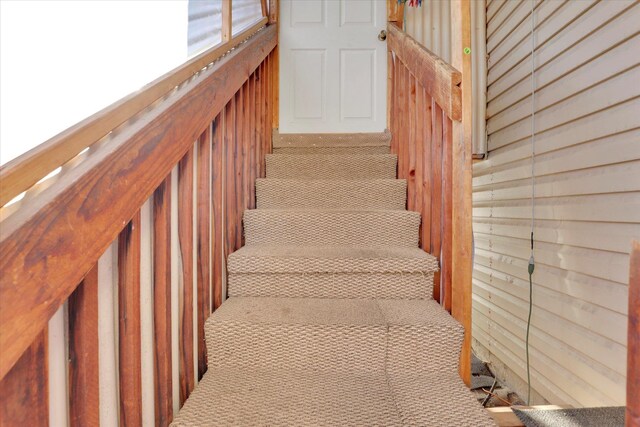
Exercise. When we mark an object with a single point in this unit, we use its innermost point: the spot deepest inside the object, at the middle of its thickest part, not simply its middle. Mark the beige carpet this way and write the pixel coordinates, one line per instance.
(330, 320)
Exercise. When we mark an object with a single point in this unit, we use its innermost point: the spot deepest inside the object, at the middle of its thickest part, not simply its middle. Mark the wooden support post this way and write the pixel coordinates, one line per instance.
(273, 11)
(163, 379)
(203, 243)
(227, 26)
(185, 237)
(461, 182)
(84, 393)
(633, 342)
(24, 391)
(129, 349)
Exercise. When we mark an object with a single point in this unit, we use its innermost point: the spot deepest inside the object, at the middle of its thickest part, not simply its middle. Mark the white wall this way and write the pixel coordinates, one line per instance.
(587, 195)
(61, 61)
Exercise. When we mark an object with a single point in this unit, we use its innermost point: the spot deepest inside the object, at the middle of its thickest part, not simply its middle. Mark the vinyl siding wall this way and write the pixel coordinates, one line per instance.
(587, 195)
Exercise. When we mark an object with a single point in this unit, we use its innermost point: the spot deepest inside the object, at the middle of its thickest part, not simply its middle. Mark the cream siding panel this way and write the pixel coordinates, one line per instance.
(587, 207)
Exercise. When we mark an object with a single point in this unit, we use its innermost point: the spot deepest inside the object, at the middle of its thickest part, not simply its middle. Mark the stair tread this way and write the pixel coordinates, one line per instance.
(374, 139)
(289, 397)
(276, 258)
(331, 166)
(338, 312)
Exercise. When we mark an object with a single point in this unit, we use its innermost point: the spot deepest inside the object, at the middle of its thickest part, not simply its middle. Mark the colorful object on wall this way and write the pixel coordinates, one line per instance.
(412, 3)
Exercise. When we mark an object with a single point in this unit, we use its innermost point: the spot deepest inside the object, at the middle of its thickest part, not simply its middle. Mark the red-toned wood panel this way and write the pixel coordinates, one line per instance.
(427, 171)
(251, 160)
(436, 190)
(163, 377)
(129, 323)
(260, 128)
(238, 182)
(24, 391)
(84, 390)
(446, 260)
(185, 238)
(419, 157)
(410, 156)
(217, 195)
(230, 154)
(203, 243)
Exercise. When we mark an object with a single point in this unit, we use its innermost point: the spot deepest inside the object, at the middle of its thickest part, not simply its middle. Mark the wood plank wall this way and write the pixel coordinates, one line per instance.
(215, 184)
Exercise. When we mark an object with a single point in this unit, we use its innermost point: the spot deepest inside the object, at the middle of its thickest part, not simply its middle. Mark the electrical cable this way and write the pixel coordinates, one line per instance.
(531, 266)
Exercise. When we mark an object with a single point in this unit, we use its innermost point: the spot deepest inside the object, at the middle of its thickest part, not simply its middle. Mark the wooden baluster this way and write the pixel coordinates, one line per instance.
(427, 173)
(24, 390)
(185, 237)
(447, 207)
(227, 27)
(260, 127)
(84, 390)
(402, 120)
(419, 156)
(163, 377)
(436, 191)
(203, 246)
(230, 150)
(129, 323)
(239, 167)
(252, 142)
(410, 161)
(217, 194)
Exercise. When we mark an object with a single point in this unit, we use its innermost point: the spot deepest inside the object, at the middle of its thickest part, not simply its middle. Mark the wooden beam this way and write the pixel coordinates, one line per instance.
(22, 173)
(203, 186)
(24, 391)
(185, 238)
(57, 236)
(440, 79)
(84, 380)
(129, 350)
(395, 12)
(633, 341)
(462, 184)
(163, 378)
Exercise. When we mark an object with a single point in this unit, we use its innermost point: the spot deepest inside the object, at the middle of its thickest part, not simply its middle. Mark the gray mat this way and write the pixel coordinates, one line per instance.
(580, 417)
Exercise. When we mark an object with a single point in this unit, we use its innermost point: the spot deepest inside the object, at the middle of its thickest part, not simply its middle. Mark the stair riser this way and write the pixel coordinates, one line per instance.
(331, 150)
(331, 348)
(325, 194)
(336, 285)
(331, 167)
(424, 349)
(388, 228)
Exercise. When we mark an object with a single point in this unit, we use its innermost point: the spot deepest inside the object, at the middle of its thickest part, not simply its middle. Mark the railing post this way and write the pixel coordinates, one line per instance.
(227, 26)
(462, 182)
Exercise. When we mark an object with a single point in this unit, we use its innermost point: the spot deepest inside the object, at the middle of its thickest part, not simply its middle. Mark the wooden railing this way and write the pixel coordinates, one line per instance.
(191, 144)
(428, 121)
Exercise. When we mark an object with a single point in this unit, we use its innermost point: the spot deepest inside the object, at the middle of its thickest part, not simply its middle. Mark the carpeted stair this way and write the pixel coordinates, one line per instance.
(330, 319)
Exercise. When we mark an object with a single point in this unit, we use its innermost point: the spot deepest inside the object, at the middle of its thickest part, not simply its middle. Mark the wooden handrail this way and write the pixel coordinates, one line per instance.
(26, 170)
(60, 234)
(439, 78)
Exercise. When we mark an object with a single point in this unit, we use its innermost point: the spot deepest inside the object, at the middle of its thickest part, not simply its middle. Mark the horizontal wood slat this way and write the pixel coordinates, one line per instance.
(23, 172)
(59, 234)
(440, 79)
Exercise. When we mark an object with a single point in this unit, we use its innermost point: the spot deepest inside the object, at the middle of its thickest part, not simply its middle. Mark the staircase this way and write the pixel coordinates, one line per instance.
(330, 319)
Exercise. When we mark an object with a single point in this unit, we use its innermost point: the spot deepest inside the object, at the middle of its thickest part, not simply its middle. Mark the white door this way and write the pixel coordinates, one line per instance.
(333, 68)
